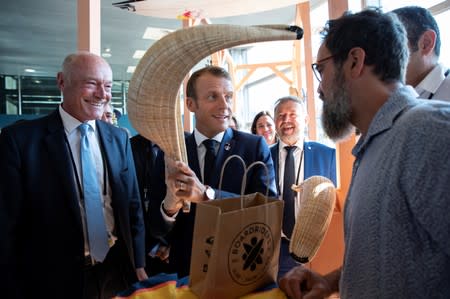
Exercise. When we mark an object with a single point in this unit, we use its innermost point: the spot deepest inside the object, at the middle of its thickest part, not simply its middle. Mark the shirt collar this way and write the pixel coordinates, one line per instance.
(199, 137)
(298, 144)
(70, 123)
(433, 80)
(384, 119)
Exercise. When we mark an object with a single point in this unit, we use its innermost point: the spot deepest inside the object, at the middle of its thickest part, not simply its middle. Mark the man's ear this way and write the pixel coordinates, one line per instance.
(191, 104)
(427, 42)
(356, 57)
(60, 80)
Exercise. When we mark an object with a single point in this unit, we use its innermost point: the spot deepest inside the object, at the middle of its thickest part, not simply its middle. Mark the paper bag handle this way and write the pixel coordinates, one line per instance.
(244, 183)
(223, 169)
(244, 179)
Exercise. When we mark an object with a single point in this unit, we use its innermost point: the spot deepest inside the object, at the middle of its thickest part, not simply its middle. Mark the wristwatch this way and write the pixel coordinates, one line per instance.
(209, 193)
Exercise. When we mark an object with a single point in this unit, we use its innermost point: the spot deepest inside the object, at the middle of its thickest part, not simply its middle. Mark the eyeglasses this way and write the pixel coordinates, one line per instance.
(315, 67)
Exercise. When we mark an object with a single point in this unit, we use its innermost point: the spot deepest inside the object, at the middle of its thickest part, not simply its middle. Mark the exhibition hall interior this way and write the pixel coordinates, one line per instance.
(36, 36)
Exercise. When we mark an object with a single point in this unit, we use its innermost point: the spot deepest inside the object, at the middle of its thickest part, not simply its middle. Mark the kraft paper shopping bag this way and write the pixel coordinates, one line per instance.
(235, 245)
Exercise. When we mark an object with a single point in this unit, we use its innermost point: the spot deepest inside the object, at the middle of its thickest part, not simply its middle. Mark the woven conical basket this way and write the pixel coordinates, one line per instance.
(317, 200)
(153, 105)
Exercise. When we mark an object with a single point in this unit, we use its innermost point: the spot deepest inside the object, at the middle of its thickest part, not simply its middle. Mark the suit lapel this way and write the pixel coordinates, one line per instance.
(59, 149)
(307, 167)
(191, 148)
(108, 149)
(275, 150)
(225, 150)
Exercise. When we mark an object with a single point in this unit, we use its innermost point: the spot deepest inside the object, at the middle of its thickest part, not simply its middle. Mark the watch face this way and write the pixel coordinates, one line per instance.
(210, 193)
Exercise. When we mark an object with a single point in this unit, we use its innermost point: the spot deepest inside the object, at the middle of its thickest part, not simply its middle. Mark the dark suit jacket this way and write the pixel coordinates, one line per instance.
(251, 148)
(41, 234)
(319, 160)
(144, 155)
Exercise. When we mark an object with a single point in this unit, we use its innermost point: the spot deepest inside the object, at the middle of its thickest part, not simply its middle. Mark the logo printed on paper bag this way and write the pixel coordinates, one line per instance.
(250, 253)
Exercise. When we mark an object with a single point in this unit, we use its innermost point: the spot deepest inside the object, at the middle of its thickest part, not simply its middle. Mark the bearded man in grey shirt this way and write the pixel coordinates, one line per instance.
(396, 219)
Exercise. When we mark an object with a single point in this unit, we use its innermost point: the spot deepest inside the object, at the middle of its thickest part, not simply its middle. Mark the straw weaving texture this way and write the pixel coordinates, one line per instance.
(317, 199)
(153, 105)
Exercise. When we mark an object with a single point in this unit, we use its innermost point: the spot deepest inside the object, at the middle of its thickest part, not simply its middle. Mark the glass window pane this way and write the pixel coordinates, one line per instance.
(442, 20)
(8, 95)
(40, 95)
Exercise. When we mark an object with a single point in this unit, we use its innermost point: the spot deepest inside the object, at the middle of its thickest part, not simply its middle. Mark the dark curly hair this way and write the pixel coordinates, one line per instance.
(382, 37)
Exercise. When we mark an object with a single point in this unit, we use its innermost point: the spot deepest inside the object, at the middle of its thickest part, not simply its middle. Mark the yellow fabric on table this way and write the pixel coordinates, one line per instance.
(169, 290)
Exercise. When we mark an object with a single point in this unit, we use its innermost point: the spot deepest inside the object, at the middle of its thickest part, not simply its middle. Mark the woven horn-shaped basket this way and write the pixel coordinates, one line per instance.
(317, 199)
(153, 105)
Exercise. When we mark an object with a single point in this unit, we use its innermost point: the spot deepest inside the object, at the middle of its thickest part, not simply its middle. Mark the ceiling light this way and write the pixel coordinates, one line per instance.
(131, 69)
(155, 33)
(138, 54)
(30, 70)
(106, 53)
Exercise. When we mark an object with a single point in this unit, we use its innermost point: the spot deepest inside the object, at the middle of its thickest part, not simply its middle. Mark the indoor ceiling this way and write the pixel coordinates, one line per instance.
(39, 34)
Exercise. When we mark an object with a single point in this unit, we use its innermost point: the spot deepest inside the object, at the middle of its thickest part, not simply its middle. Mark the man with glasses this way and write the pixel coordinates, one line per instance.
(317, 67)
(396, 222)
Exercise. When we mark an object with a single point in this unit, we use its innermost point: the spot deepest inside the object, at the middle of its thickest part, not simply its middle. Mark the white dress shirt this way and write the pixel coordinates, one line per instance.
(201, 149)
(299, 173)
(430, 84)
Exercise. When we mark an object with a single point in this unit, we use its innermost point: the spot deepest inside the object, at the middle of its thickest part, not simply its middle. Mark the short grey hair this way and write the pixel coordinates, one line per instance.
(71, 60)
(285, 99)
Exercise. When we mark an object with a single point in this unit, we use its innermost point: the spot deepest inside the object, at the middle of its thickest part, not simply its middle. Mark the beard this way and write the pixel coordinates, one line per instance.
(295, 136)
(337, 111)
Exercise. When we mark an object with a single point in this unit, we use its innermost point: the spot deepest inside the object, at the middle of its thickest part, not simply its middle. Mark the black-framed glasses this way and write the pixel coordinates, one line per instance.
(315, 67)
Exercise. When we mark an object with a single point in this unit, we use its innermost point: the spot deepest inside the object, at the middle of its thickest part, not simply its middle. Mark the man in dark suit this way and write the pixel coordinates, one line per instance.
(209, 96)
(310, 158)
(145, 154)
(46, 237)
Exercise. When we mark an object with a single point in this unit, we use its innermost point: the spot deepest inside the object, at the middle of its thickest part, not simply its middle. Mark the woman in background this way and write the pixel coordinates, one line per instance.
(264, 125)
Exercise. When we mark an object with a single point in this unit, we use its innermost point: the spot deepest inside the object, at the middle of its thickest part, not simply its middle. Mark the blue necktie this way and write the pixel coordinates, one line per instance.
(288, 193)
(210, 158)
(97, 233)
